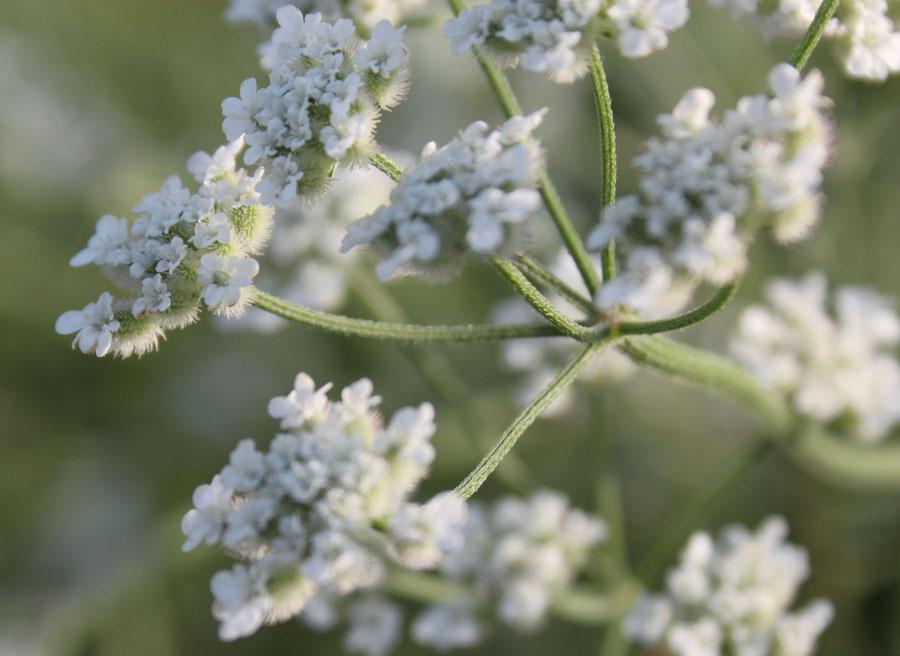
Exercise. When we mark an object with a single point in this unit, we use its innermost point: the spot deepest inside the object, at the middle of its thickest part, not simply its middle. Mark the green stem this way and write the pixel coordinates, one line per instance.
(666, 546)
(814, 33)
(603, 102)
(401, 332)
(510, 436)
(713, 373)
(538, 273)
(721, 298)
(537, 300)
(386, 166)
(499, 83)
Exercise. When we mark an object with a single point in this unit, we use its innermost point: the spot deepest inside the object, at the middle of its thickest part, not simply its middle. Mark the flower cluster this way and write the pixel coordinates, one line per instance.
(555, 36)
(707, 187)
(517, 556)
(365, 14)
(183, 248)
(538, 361)
(867, 40)
(732, 596)
(321, 105)
(323, 508)
(838, 367)
(475, 193)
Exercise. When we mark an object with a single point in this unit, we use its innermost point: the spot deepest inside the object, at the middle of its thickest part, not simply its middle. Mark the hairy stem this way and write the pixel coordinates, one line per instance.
(537, 300)
(510, 436)
(603, 101)
(386, 166)
(538, 273)
(400, 332)
(814, 33)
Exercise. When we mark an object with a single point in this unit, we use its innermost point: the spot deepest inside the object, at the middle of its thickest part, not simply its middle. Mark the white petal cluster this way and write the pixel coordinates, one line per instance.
(538, 361)
(182, 250)
(707, 187)
(322, 509)
(838, 366)
(732, 596)
(321, 105)
(473, 194)
(555, 36)
(366, 14)
(516, 557)
(866, 38)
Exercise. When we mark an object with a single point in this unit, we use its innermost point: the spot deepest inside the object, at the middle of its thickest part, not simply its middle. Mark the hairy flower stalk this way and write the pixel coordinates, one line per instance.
(706, 188)
(555, 36)
(733, 593)
(324, 509)
(473, 194)
(182, 251)
(321, 105)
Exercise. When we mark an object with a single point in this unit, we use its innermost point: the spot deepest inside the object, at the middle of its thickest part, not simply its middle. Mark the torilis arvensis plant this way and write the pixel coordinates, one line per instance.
(323, 521)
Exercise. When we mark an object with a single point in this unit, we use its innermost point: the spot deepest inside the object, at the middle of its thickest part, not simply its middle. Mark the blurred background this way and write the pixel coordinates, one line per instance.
(100, 100)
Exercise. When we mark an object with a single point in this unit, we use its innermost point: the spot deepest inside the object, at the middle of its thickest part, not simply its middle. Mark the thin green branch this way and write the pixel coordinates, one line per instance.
(721, 298)
(713, 495)
(538, 273)
(386, 166)
(603, 102)
(814, 33)
(401, 332)
(537, 300)
(510, 436)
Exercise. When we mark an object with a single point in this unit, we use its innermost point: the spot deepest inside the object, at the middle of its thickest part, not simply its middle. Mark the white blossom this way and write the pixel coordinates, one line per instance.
(475, 193)
(322, 512)
(835, 367)
(736, 591)
(516, 557)
(366, 15)
(319, 98)
(181, 248)
(555, 37)
(707, 187)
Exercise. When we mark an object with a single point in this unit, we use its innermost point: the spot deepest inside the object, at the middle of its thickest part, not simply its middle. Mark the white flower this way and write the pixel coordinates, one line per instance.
(448, 626)
(839, 367)
(320, 511)
(643, 24)
(108, 245)
(734, 591)
(319, 96)
(375, 625)
(474, 193)
(94, 326)
(204, 522)
(225, 280)
(241, 600)
(707, 187)
(155, 297)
